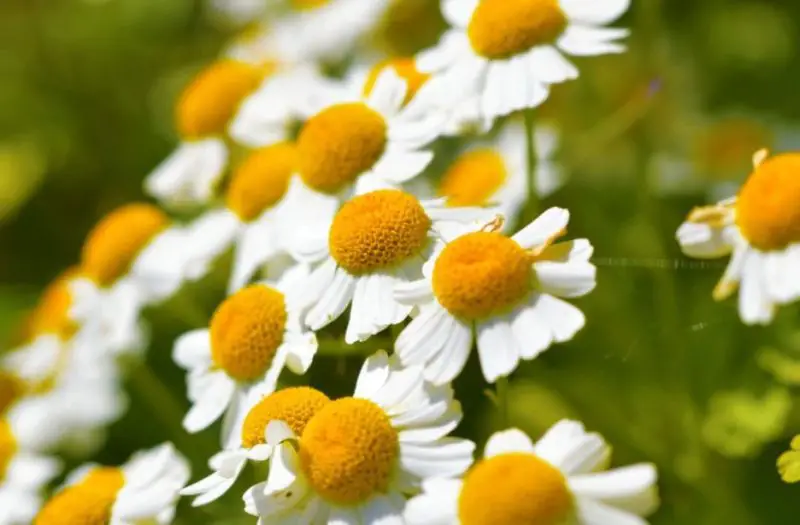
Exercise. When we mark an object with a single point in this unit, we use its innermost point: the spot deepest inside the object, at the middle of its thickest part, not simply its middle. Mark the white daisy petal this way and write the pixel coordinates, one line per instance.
(190, 174)
(594, 12)
(497, 349)
(445, 458)
(211, 404)
(569, 447)
(545, 227)
(573, 279)
(755, 306)
(551, 65)
(507, 441)
(333, 302)
(630, 488)
(437, 505)
(595, 513)
(373, 375)
(193, 349)
(703, 241)
(380, 511)
(563, 319)
(588, 41)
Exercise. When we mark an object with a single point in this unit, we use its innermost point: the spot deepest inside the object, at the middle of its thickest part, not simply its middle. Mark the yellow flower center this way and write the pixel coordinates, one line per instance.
(338, 144)
(246, 331)
(378, 230)
(261, 180)
(349, 451)
(514, 489)
(474, 178)
(482, 274)
(88, 502)
(8, 447)
(768, 207)
(210, 101)
(11, 389)
(117, 239)
(51, 315)
(405, 68)
(295, 406)
(503, 28)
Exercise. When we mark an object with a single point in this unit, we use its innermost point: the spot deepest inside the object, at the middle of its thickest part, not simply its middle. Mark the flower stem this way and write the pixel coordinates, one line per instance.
(501, 398)
(532, 205)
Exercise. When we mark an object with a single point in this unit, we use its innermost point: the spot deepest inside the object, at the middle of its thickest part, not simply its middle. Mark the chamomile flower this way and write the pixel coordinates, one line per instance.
(508, 53)
(403, 67)
(204, 111)
(23, 475)
(142, 491)
(375, 242)
(506, 290)
(358, 457)
(495, 172)
(760, 230)
(252, 336)
(294, 405)
(560, 479)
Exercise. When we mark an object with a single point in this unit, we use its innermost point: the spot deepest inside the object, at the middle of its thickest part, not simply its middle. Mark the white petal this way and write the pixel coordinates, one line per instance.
(333, 302)
(550, 65)
(702, 241)
(563, 319)
(572, 279)
(458, 12)
(193, 349)
(445, 458)
(506, 441)
(497, 349)
(630, 488)
(414, 292)
(373, 375)
(755, 306)
(532, 332)
(594, 12)
(588, 41)
(449, 361)
(380, 511)
(545, 227)
(190, 174)
(595, 513)
(437, 505)
(569, 447)
(256, 245)
(211, 404)
(398, 167)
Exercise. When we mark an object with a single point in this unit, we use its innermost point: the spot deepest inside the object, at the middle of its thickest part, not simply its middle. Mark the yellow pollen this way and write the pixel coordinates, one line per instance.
(8, 447)
(514, 489)
(503, 28)
(88, 502)
(378, 230)
(295, 406)
(349, 451)
(338, 144)
(117, 239)
(261, 180)
(51, 315)
(405, 69)
(11, 389)
(210, 101)
(474, 178)
(482, 274)
(768, 206)
(246, 331)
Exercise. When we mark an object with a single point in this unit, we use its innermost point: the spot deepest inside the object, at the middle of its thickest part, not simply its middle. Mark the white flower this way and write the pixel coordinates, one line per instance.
(144, 490)
(508, 53)
(375, 242)
(506, 290)
(560, 479)
(359, 457)
(760, 230)
(252, 336)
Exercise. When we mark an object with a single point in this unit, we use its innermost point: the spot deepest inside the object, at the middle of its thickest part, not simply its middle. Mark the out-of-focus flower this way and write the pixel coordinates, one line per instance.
(562, 478)
(294, 405)
(789, 463)
(252, 336)
(359, 457)
(143, 490)
(760, 229)
(506, 289)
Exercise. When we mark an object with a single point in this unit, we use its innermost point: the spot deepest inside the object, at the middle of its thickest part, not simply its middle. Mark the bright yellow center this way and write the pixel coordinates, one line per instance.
(514, 489)
(295, 406)
(51, 315)
(117, 239)
(8, 447)
(349, 451)
(482, 274)
(261, 180)
(503, 28)
(302, 5)
(474, 178)
(378, 230)
(88, 502)
(246, 331)
(405, 68)
(768, 207)
(11, 389)
(210, 101)
(338, 144)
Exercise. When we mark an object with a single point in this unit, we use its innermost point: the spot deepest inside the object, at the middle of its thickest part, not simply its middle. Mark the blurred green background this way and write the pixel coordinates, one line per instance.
(662, 371)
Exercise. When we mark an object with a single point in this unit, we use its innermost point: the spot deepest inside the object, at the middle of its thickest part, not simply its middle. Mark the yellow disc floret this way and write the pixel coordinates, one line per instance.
(295, 406)
(514, 489)
(405, 68)
(11, 389)
(474, 178)
(117, 239)
(51, 315)
(349, 451)
(261, 180)
(88, 502)
(338, 144)
(378, 230)
(8, 447)
(210, 101)
(482, 274)
(503, 28)
(768, 207)
(246, 331)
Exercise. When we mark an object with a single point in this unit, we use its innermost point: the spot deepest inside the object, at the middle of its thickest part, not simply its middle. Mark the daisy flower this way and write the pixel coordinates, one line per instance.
(203, 112)
(143, 490)
(359, 456)
(508, 53)
(495, 172)
(252, 336)
(375, 242)
(23, 475)
(760, 230)
(294, 405)
(562, 478)
(503, 289)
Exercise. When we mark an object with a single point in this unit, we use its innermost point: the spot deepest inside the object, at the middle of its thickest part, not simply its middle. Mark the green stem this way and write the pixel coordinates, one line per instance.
(501, 397)
(532, 206)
